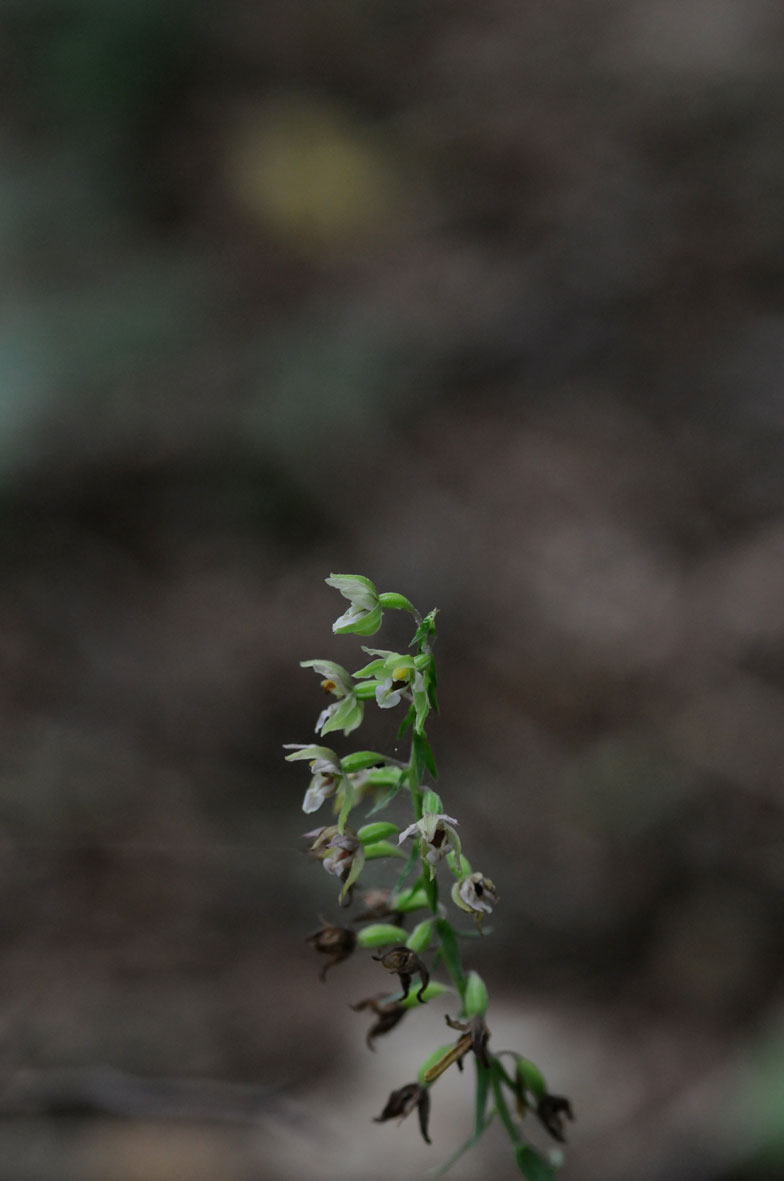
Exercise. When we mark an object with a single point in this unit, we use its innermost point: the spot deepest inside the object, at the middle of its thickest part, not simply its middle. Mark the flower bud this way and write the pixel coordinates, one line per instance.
(363, 617)
(475, 998)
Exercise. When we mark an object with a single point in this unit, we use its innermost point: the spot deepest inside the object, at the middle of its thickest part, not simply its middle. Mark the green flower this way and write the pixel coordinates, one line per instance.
(347, 712)
(476, 895)
(340, 853)
(326, 773)
(363, 617)
(436, 838)
(397, 674)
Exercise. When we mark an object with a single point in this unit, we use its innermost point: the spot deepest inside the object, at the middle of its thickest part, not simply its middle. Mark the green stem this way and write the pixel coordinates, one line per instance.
(501, 1107)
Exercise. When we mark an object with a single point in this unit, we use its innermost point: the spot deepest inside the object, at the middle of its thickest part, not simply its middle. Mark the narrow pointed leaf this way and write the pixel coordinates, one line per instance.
(407, 721)
(451, 954)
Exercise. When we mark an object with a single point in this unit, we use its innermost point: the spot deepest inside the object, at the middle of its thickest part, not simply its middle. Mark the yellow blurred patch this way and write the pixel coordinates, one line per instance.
(311, 172)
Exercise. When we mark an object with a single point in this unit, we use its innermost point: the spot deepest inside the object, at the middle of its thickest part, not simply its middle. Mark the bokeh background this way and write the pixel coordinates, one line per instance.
(485, 302)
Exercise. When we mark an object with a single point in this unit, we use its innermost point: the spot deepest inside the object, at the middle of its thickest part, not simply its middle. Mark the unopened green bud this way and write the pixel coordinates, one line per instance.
(380, 935)
(475, 998)
(419, 938)
(377, 830)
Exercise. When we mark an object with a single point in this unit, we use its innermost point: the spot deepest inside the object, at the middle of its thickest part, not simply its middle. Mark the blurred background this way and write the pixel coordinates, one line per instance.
(486, 303)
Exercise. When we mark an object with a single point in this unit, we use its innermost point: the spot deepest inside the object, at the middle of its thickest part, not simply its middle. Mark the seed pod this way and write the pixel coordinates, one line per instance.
(380, 935)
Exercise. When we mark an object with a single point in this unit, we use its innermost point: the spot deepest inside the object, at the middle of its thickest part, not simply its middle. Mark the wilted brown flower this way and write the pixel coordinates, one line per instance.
(551, 1109)
(405, 962)
(377, 907)
(336, 942)
(389, 1013)
(402, 1103)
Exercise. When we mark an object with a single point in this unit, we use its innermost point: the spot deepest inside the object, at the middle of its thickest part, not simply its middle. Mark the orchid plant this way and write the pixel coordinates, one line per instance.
(507, 1084)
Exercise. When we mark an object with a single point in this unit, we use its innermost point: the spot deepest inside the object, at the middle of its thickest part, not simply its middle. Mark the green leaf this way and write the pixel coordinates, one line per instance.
(432, 686)
(533, 1166)
(413, 857)
(482, 1091)
(386, 799)
(407, 721)
(347, 802)
(356, 869)
(451, 953)
(418, 751)
(426, 628)
(421, 710)
(430, 761)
